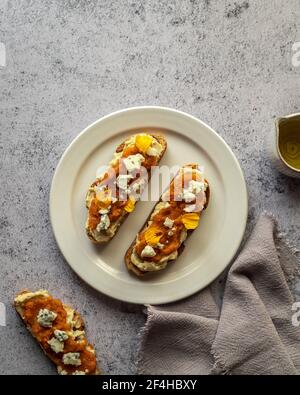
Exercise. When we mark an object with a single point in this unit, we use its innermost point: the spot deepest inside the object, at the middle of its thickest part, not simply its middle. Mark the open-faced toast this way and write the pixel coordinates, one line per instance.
(172, 220)
(59, 330)
(112, 197)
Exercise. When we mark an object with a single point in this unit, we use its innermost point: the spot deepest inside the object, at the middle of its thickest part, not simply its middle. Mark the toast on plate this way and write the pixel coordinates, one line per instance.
(59, 330)
(112, 197)
(173, 219)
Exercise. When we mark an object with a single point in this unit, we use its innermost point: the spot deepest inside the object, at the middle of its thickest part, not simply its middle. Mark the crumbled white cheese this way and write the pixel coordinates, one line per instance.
(196, 186)
(160, 246)
(188, 196)
(168, 222)
(155, 149)
(122, 181)
(190, 209)
(105, 210)
(45, 317)
(114, 199)
(133, 162)
(104, 223)
(72, 358)
(148, 252)
(170, 233)
(61, 371)
(70, 315)
(61, 335)
(79, 373)
(56, 345)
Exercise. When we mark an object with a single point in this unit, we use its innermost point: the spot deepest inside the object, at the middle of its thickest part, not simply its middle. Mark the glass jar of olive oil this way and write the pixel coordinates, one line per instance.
(284, 145)
(289, 142)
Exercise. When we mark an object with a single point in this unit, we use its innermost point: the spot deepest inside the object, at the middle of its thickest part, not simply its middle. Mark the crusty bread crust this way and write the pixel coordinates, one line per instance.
(124, 215)
(127, 259)
(77, 318)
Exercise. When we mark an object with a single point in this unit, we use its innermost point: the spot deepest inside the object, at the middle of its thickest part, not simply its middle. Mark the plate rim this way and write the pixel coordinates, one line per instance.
(114, 114)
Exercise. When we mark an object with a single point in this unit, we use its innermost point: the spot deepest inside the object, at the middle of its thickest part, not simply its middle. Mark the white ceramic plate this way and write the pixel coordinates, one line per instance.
(210, 248)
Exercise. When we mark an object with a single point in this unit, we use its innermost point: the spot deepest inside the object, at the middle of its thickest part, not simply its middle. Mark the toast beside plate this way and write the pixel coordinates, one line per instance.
(59, 330)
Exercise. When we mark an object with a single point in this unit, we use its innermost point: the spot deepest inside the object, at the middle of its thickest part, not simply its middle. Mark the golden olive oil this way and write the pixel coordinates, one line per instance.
(289, 142)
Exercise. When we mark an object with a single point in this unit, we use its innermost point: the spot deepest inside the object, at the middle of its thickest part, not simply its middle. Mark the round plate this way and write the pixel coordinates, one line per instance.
(208, 250)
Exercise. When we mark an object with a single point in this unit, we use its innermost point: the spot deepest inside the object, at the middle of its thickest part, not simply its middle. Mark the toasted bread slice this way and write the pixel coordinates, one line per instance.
(59, 330)
(159, 208)
(113, 222)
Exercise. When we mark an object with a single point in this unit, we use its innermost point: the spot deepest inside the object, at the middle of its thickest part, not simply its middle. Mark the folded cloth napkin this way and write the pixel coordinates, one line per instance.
(250, 333)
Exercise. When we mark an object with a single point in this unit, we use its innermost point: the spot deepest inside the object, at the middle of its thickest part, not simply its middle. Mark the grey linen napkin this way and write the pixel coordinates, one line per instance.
(250, 333)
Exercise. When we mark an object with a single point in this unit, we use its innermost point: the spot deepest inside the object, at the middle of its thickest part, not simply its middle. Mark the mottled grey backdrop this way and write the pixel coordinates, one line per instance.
(69, 63)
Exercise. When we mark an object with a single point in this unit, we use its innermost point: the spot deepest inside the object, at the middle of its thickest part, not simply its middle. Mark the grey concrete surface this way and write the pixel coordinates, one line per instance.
(70, 62)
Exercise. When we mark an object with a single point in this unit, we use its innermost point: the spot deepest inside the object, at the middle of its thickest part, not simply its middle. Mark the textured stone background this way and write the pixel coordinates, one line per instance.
(69, 63)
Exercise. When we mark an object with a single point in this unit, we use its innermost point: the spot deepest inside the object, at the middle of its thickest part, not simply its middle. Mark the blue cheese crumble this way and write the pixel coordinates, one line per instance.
(168, 222)
(79, 373)
(104, 223)
(45, 318)
(56, 345)
(72, 358)
(133, 162)
(61, 336)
